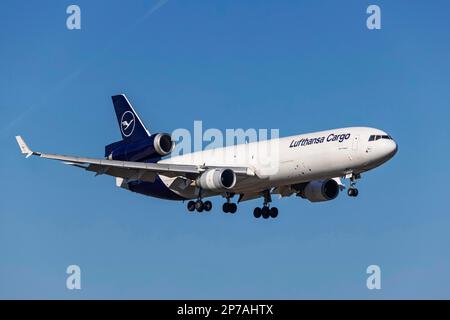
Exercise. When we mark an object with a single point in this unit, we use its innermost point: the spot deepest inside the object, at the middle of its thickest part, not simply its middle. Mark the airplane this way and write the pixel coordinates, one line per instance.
(310, 166)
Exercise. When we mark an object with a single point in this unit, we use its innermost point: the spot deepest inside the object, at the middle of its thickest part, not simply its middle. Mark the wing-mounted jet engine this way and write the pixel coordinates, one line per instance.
(318, 190)
(217, 179)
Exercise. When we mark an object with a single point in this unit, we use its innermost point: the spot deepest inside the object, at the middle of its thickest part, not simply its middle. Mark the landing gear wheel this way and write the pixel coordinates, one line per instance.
(229, 207)
(191, 206)
(265, 212)
(257, 212)
(199, 205)
(352, 191)
(207, 205)
(273, 212)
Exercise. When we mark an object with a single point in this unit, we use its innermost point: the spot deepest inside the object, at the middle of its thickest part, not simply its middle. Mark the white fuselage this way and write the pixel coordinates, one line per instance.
(294, 159)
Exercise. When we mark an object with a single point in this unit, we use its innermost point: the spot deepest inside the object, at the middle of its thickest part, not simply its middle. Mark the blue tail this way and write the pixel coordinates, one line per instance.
(131, 126)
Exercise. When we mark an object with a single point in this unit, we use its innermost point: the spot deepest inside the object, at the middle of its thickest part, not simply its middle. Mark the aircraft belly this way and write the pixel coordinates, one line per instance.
(157, 189)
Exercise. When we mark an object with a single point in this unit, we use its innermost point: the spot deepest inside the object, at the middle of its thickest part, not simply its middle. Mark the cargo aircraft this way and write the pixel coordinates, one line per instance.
(310, 165)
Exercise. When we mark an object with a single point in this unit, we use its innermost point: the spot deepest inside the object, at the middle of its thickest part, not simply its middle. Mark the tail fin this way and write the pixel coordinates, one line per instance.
(131, 126)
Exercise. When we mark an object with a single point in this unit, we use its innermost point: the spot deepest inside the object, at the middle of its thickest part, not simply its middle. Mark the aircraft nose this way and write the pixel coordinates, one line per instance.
(392, 148)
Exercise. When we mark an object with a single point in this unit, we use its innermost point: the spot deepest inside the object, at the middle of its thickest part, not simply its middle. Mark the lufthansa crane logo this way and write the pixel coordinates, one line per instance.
(127, 123)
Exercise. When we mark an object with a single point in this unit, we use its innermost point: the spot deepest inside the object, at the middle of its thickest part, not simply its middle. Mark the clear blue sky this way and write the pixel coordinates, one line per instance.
(298, 66)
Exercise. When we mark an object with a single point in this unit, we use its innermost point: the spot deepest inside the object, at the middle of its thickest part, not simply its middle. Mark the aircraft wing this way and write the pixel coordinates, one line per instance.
(129, 169)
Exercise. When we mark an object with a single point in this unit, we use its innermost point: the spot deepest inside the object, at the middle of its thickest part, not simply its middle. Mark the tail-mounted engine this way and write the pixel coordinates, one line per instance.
(156, 145)
(163, 144)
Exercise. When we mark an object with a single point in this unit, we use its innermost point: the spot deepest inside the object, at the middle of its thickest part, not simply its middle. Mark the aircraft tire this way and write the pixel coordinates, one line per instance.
(199, 205)
(273, 212)
(207, 205)
(265, 212)
(191, 206)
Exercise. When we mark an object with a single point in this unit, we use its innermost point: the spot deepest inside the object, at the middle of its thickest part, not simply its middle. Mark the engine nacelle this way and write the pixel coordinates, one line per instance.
(163, 144)
(319, 190)
(217, 179)
(156, 145)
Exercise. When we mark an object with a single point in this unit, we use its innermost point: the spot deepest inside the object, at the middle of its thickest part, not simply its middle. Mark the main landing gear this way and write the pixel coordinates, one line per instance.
(265, 211)
(229, 207)
(199, 205)
(352, 191)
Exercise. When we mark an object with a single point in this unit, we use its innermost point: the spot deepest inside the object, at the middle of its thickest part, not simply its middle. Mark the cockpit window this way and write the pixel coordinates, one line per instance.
(378, 137)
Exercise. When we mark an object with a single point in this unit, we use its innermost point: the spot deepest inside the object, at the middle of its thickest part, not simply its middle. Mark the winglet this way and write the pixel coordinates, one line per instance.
(23, 147)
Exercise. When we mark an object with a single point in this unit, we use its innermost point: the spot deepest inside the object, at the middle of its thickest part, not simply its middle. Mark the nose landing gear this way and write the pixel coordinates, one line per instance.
(352, 191)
